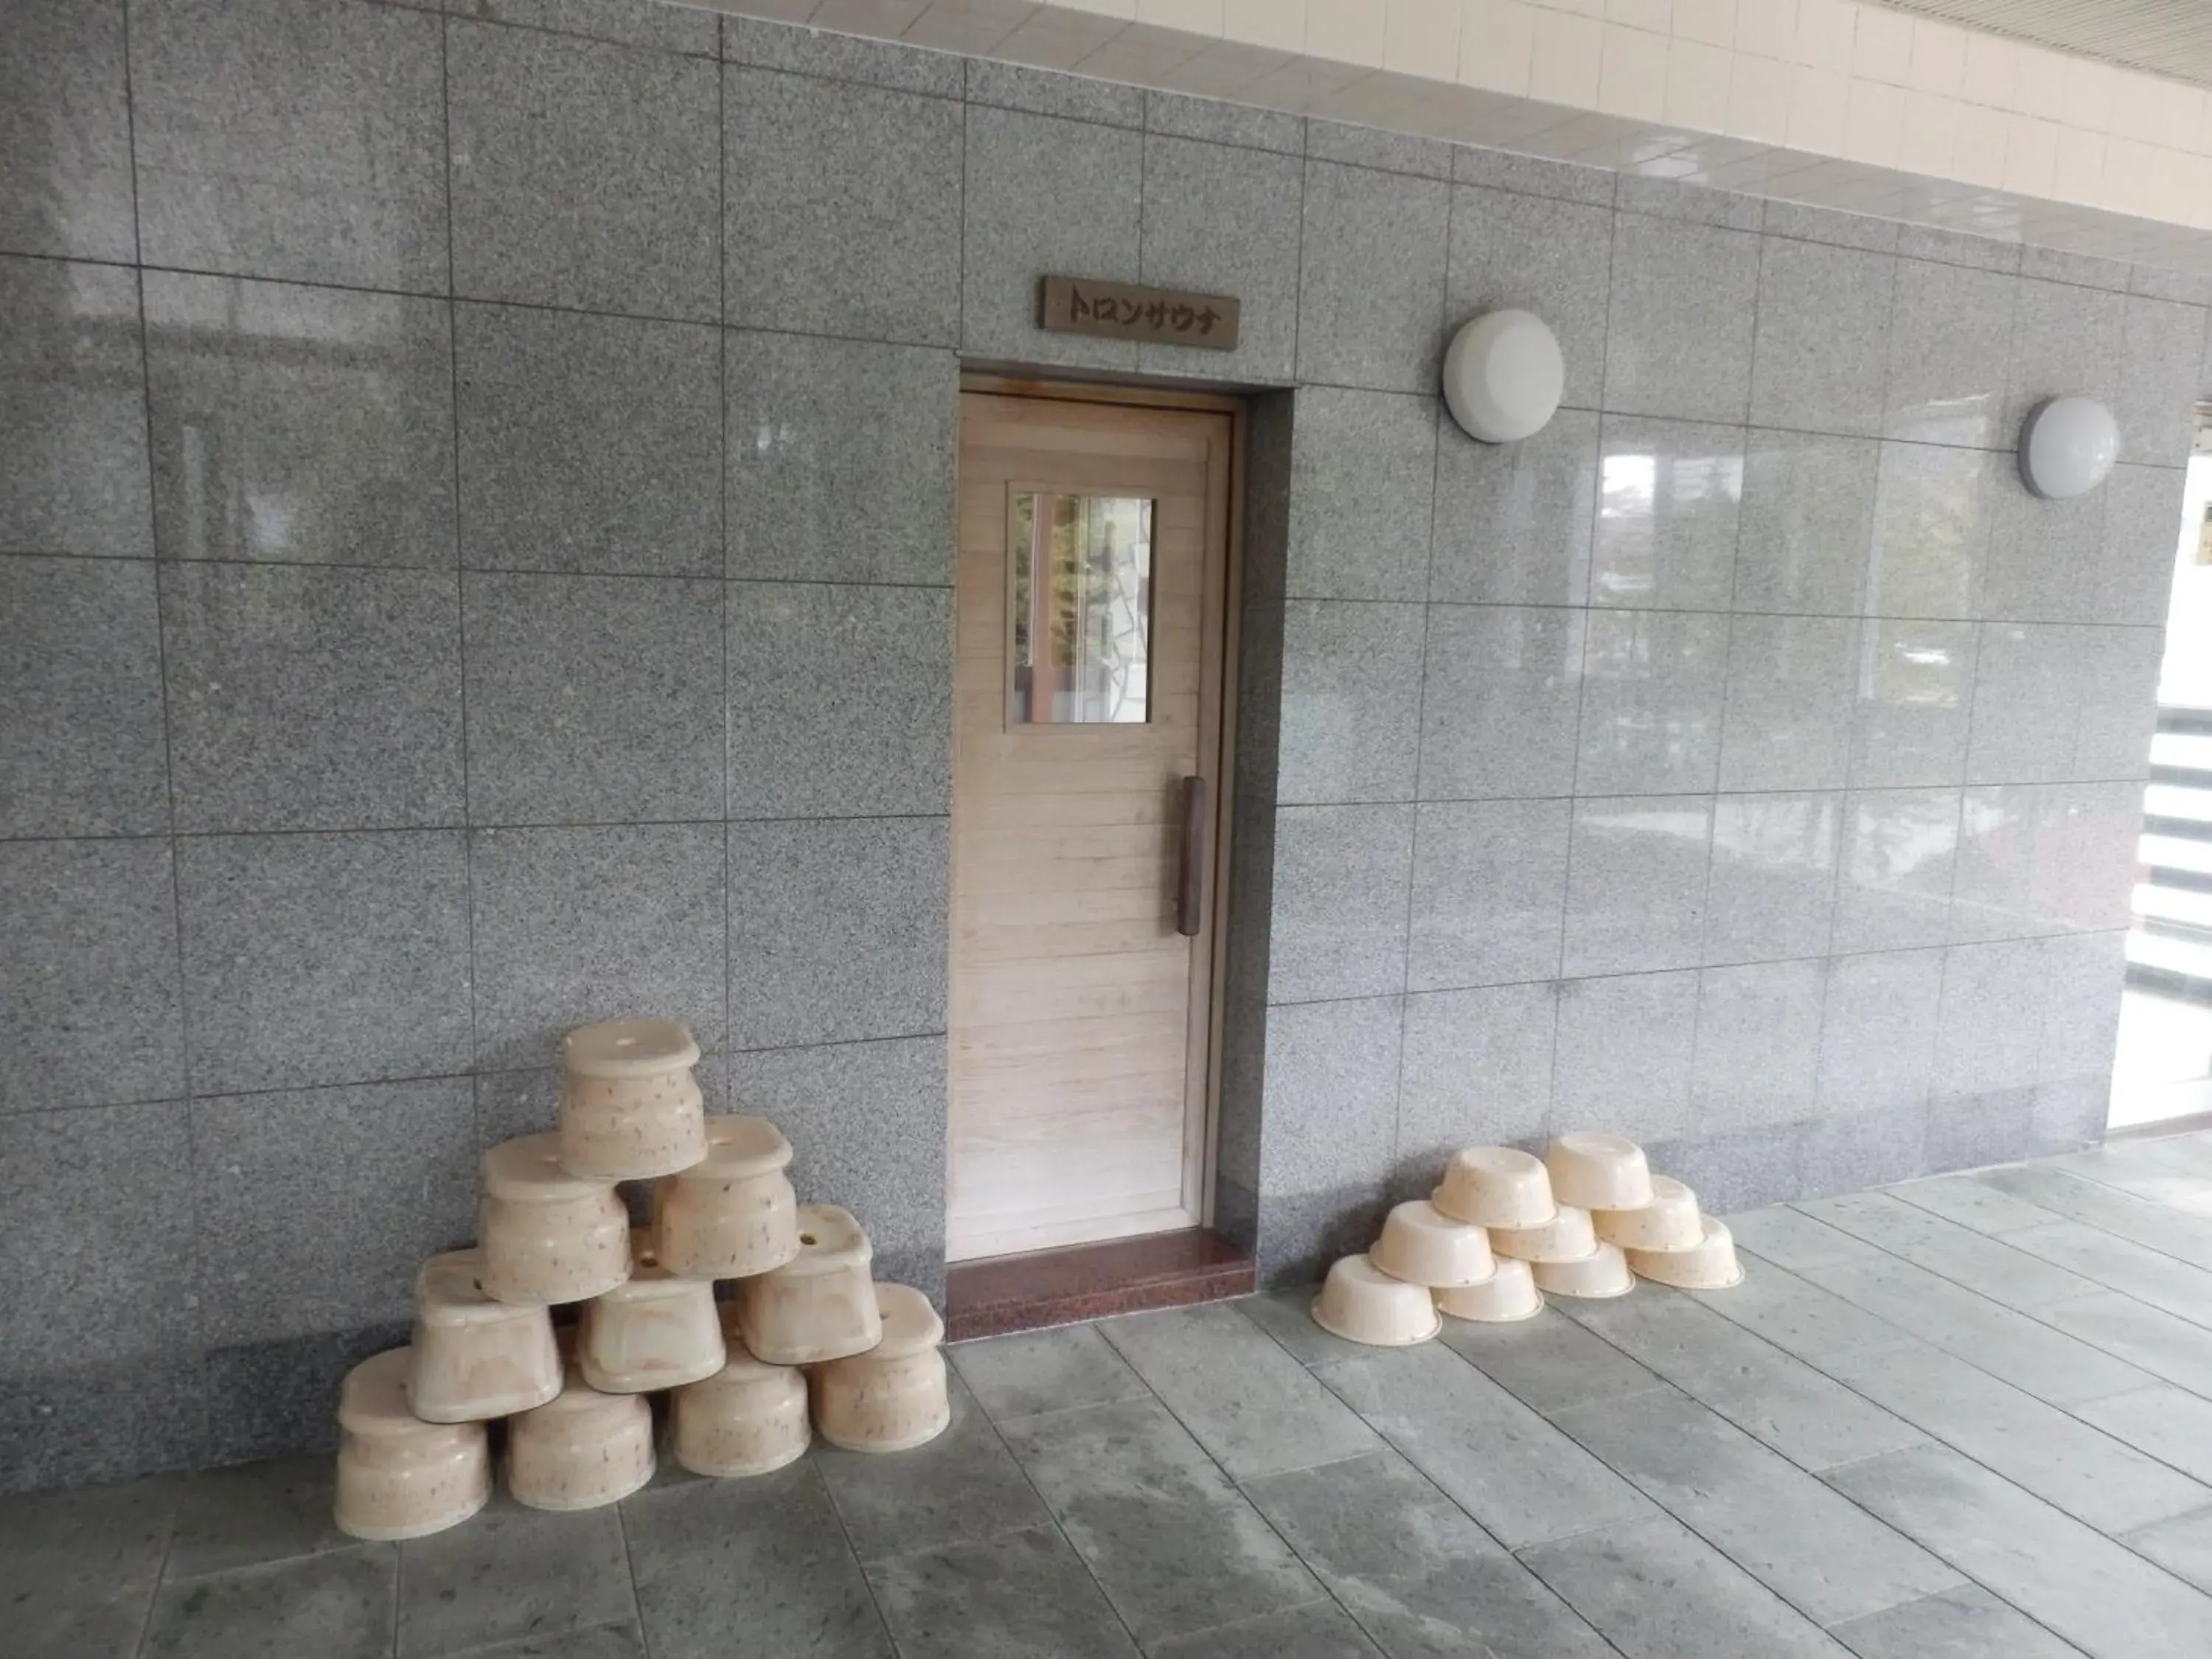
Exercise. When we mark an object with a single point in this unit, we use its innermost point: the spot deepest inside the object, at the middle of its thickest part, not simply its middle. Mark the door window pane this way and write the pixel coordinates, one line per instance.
(1082, 608)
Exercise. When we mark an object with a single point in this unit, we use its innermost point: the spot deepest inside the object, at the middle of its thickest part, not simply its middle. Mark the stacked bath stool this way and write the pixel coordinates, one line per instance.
(1505, 1228)
(804, 1327)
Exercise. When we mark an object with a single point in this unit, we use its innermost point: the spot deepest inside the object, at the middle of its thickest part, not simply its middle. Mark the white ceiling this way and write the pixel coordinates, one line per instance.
(2166, 37)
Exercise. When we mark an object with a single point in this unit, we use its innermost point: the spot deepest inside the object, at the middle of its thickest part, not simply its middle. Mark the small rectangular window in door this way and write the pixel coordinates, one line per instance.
(1080, 609)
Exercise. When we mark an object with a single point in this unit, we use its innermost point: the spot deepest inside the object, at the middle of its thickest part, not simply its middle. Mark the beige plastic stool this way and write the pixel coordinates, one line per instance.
(1494, 1187)
(892, 1397)
(732, 1214)
(399, 1477)
(580, 1449)
(1507, 1295)
(1598, 1172)
(630, 1108)
(476, 1357)
(746, 1418)
(1360, 1303)
(820, 1305)
(1708, 1265)
(653, 1330)
(1669, 1222)
(545, 1234)
(1569, 1235)
(1423, 1246)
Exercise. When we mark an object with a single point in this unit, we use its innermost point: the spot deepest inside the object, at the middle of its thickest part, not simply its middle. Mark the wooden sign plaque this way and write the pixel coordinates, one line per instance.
(1123, 311)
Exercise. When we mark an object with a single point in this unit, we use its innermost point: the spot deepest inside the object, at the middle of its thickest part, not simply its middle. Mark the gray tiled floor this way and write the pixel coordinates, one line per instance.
(1968, 1416)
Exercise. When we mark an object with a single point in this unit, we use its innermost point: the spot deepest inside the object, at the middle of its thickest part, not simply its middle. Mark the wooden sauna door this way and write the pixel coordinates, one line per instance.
(1092, 608)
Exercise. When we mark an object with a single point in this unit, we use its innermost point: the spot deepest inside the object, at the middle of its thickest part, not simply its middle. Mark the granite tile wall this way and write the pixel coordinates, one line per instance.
(475, 498)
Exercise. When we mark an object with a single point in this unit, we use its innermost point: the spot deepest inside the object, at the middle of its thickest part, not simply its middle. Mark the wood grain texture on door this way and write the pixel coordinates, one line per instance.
(1092, 592)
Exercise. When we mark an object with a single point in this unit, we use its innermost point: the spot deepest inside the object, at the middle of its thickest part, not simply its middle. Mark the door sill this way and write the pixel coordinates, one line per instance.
(1002, 1293)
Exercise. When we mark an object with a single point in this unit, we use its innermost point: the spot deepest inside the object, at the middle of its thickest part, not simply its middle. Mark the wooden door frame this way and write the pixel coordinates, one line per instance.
(1239, 413)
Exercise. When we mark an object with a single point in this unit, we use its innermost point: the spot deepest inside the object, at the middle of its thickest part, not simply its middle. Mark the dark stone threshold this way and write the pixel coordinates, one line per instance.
(1028, 1292)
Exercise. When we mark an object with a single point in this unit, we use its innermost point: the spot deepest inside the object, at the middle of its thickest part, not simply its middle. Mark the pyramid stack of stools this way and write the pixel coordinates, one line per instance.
(1503, 1228)
(414, 1453)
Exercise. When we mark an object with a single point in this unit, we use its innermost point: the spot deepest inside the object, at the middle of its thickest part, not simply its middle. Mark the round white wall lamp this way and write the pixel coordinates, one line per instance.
(2066, 446)
(1503, 376)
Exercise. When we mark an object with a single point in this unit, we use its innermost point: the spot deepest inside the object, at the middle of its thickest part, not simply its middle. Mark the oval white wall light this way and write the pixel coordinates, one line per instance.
(1503, 376)
(2066, 446)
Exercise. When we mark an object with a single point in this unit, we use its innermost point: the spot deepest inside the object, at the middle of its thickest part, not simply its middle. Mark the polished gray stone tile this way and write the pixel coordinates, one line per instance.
(339, 1604)
(1957, 247)
(1513, 521)
(1332, 1081)
(1019, 1592)
(266, 1399)
(2041, 564)
(1625, 1052)
(1878, 1029)
(1790, 1236)
(116, 1182)
(73, 469)
(257, 392)
(1351, 702)
(2177, 1351)
(1900, 853)
(1522, 1479)
(2118, 670)
(878, 741)
(2084, 1587)
(1339, 927)
(2042, 1450)
(2008, 839)
(1219, 219)
(512, 1572)
(2186, 1237)
(1823, 336)
(81, 1566)
(1476, 1069)
(1375, 147)
(306, 699)
(292, 139)
(807, 505)
(2131, 579)
(1637, 883)
(1372, 259)
(1934, 508)
(2081, 1014)
(1488, 893)
(1045, 92)
(837, 930)
(1256, 1409)
(632, 22)
(2032, 1355)
(1320, 1630)
(2183, 287)
(2066, 341)
(251, 1515)
(588, 443)
(1737, 1171)
(1973, 1203)
(1808, 523)
(702, 1550)
(1654, 685)
(1950, 344)
(1801, 1318)
(1045, 196)
(841, 56)
(1552, 257)
(67, 133)
(1791, 681)
(2182, 1547)
(1534, 175)
(2161, 360)
(260, 914)
(586, 702)
(1697, 204)
(1420, 1576)
(1679, 333)
(2120, 1264)
(1499, 702)
(1799, 1538)
(962, 1487)
(1853, 1149)
(1655, 1590)
(868, 1120)
(1774, 1397)
(1819, 224)
(1175, 1545)
(1053, 1371)
(1362, 467)
(1549, 1363)
(831, 185)
(1960, 1624)
(1214, 122)
(2083, 269)
(1987, 1265)
(1668, 515)
(1773, 886)
(2172, 1424)
(1759, 1039)
(574, 925)
(89, 974)
(1987, 1032)
(83, 746)
(315, 1208)
(585, 174)
(1286, 1315)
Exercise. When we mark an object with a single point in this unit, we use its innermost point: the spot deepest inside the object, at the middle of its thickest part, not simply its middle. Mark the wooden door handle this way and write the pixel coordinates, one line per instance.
(1190, 898)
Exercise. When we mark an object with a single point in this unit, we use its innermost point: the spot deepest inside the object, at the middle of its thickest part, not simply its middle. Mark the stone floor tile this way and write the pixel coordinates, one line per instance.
(1034, 1371)
(1018, 1594)
(1971, 1203)
(1960, 1624)
(2186, 1237)
(961, 1486)
(2120, 1264)
(2170, 1424)
(332, 1606)
(1549, 1363)
(78, 1568)
(2172, 1349)
(1988, 1266)
(510, 1573)
(1791, 1238)
(254, 1513)
(2182, 1546)
(1320, 1631)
